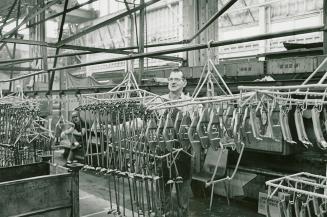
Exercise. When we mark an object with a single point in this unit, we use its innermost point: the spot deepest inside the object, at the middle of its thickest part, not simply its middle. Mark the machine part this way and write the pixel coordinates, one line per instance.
(169, 133)
(202, 127)
(183, 131)
(302, 136)
(283, 120)
(214, 132)
(254, 124)
(159, 133)
(321, 142)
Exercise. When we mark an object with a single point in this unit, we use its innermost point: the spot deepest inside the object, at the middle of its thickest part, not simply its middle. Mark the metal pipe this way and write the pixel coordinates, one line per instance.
(52, 56)
(182, 49)
(315, 71)
(18, 69)
(60, 13)
(298, 191)
(42, 36)
(291, 87)
(84, 48)
(75, 47)
(297, 93)
(213, 18)
(105, 23)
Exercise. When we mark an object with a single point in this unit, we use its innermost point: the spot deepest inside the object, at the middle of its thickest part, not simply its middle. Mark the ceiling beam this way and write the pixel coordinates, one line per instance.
(17, 61)
(35, 12)
(105, 23)
(58, 14)
(92, 49)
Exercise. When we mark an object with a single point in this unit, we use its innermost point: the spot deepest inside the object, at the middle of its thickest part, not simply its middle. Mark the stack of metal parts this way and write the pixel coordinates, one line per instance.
(301, 194)
(22, 137)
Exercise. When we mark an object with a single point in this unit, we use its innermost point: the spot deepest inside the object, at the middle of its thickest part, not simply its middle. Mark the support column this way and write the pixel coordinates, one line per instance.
(196, 13)
(203, 37)
(74, 169)
(141, 42)
(190, 25)
(42, 36)
(129, 37)
(213, 33)
(263, 25)
(324, 15)
(32, 48)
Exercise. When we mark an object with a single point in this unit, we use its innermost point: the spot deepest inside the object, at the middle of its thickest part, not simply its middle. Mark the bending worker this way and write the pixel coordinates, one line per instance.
(79, 136)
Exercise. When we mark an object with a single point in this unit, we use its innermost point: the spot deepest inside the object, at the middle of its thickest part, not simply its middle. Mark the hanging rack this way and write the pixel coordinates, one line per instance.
(302, 177)
(208, 77)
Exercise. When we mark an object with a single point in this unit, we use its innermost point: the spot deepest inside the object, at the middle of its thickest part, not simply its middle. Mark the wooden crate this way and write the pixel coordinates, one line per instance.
(39, 189)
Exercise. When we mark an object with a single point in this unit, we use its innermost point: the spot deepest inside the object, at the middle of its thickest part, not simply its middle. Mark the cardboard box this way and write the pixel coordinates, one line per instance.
(273, 205)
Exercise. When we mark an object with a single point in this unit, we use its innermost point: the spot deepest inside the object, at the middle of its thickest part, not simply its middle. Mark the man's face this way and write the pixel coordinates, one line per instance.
(75, 118)
(176, 82)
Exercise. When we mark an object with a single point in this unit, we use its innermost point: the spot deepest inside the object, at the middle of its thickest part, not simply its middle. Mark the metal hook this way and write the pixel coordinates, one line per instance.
(305, 102)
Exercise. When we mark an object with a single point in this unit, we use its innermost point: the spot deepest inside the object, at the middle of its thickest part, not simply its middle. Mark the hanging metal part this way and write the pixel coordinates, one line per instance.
(321, 142)
(214, 129)
(300, 129)
(202, 129)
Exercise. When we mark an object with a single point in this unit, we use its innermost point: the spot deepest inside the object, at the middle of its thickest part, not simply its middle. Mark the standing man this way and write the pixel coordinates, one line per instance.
(182, 191)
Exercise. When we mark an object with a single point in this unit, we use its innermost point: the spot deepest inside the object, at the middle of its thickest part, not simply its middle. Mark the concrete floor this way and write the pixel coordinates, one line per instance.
(94, 200)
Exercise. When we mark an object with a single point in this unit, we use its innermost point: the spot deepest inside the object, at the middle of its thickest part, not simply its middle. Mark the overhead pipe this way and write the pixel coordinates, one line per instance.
(38, 58)
(185, 48)
(92, 49)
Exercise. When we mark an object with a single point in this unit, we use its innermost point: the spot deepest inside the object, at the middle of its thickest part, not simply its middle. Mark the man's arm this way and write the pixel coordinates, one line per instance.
(77, 133)
(68, 131)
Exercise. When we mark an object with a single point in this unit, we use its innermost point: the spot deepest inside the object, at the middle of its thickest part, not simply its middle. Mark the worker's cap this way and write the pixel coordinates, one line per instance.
(75, 114)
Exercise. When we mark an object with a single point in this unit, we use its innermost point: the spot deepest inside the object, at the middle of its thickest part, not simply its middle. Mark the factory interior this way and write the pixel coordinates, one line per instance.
(163, 108)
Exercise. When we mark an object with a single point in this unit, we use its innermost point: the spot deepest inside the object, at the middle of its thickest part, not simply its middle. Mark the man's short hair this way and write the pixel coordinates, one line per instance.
(176, 70)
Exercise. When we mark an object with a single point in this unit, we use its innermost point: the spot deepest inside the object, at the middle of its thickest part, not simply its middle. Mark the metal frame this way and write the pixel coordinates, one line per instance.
(62, 44)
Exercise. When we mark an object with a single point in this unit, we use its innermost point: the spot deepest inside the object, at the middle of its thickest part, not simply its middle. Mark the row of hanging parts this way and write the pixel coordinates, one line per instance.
(301, 194)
